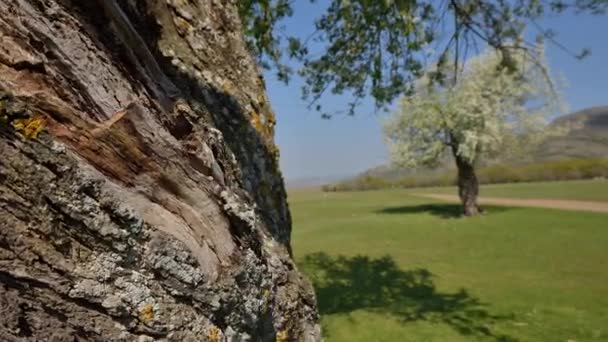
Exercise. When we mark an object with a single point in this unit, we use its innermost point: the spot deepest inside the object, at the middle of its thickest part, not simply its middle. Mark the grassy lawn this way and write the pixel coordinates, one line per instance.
(390, 267)
(583, 190)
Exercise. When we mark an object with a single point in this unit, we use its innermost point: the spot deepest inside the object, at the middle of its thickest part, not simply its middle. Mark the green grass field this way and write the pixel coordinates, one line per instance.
(388, 266)
(583, 190)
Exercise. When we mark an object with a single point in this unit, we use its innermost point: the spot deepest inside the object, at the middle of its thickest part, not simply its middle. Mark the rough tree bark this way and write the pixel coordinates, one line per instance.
(468, 186)
(140, 197)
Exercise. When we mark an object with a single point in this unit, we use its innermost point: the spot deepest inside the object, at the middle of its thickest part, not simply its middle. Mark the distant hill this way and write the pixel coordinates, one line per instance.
(587, 138)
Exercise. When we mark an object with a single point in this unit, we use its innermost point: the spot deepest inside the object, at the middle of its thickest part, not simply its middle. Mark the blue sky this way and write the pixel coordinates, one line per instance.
(343, 146)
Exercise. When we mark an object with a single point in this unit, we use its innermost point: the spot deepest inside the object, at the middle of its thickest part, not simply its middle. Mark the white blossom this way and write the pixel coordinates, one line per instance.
(489, 112)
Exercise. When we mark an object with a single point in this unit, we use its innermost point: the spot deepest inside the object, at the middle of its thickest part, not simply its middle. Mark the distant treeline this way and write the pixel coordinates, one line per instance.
(540, 171)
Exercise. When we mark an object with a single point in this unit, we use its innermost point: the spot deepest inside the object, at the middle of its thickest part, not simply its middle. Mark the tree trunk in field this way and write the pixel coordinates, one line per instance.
(468, 187)
(140, 196)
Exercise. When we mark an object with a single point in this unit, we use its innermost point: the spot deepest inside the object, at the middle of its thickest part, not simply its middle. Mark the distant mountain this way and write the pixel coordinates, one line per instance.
(587, 138)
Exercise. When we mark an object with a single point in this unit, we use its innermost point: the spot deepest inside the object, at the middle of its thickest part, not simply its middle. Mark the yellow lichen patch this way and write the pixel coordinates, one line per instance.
(146, 314)
(266, 299)
(30, 127)
(282, 336)
(256, 122)
(2, 110)
(272, 121)
(214, 334)
(264, 125)
(227, 87)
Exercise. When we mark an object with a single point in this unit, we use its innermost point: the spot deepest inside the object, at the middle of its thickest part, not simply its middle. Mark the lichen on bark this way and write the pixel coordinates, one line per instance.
(150, 206)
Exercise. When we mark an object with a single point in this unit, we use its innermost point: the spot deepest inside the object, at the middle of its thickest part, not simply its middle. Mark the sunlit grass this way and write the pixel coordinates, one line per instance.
(392, 267)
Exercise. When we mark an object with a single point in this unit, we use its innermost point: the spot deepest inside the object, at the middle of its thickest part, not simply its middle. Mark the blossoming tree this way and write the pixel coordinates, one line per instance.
(487, 111)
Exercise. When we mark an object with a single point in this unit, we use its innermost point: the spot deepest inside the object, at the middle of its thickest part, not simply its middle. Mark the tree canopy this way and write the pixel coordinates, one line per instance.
(378, 48)
(260, 20)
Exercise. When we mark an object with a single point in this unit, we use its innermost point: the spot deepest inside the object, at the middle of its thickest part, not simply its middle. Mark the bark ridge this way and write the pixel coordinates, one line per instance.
(140, 196)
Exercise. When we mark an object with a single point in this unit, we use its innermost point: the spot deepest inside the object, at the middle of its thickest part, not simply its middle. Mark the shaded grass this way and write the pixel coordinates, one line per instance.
(522, 274)
(344, 285)
(440, 210)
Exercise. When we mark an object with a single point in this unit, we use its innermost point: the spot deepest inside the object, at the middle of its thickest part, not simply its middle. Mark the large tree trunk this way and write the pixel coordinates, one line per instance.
(140, 197)
(468, 186)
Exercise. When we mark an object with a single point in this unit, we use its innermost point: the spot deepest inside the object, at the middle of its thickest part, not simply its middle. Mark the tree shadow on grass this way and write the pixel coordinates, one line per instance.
(345, 284)
(445, 211)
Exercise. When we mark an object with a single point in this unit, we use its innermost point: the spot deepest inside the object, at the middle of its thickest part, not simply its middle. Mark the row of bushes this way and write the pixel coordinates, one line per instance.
(541, 171)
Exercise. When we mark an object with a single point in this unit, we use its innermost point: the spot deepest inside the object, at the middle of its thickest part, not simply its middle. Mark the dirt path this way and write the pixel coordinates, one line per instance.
(598, 207)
